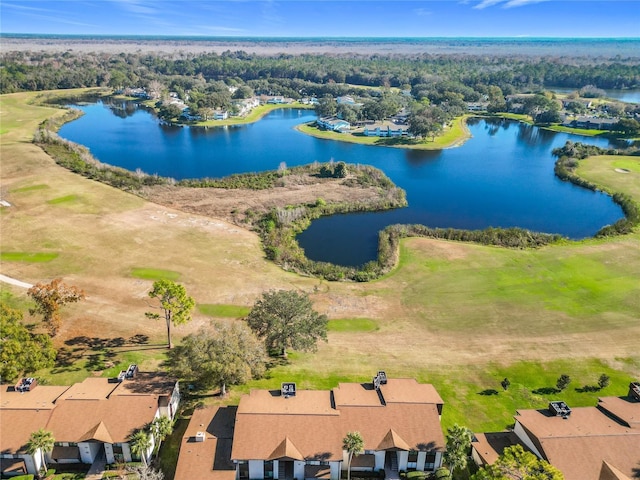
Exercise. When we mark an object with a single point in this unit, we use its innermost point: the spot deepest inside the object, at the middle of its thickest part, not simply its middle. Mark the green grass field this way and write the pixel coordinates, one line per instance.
(34, 257)
(458, 315)
(155, 274)
(224, 311)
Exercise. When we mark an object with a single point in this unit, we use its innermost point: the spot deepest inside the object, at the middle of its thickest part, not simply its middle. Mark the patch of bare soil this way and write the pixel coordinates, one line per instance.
(440, 248)
(234, 204)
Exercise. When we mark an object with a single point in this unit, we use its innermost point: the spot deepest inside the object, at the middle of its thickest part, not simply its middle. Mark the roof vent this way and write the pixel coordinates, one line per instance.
(559, 409)
(288, 389)
(634, 391)
(26, 384)
(200, 437)
(379, 379)
(131, 371)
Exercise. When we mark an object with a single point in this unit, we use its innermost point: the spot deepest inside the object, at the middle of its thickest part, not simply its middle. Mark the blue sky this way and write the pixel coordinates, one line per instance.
(344, 18)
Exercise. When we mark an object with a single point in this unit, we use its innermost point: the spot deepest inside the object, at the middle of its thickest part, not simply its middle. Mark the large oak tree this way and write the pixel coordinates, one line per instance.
(21, 352)
(286, 319)
(226, 354)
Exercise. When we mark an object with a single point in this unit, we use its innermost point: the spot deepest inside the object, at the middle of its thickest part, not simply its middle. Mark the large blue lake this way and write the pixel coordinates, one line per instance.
(502, 176)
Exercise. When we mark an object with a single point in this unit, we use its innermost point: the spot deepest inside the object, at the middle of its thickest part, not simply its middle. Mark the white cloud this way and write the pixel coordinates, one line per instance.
(422, 12)
(505, 3)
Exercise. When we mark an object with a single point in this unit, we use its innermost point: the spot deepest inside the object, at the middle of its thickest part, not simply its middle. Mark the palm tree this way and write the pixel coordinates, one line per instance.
(161, 427)
(140, 442)
(42, 441)
(354, 445)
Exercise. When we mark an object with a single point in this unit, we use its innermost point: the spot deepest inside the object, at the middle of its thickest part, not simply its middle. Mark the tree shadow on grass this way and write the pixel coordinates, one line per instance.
(488, 392)
(587, 389)
(546, 391)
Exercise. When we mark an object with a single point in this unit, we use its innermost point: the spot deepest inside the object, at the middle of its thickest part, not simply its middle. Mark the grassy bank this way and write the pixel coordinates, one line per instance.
(453, 136)
(462, 316)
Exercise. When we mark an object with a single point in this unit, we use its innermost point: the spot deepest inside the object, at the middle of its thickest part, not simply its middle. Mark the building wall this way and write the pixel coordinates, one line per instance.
(380, 458)
(89, 450)
(522, 435)
(108, 450)
(403, 458)
(275, 469)
(298, 469)
(256, 469)
(32, 463)
(335, 470)
(126, 452)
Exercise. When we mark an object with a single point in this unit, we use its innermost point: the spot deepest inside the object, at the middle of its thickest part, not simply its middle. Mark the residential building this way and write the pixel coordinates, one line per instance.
(220, 115)
(595, 123)
(89, 420)
(587, 443)
(205, 451)
(385, 129)
(333, 123)
(283, 436)
(346, 100)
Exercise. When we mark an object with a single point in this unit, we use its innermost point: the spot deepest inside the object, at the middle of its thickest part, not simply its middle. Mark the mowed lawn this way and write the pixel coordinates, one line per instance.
(459, 315)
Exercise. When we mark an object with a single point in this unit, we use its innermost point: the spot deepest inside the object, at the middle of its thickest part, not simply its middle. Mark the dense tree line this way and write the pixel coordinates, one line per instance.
(308, 74)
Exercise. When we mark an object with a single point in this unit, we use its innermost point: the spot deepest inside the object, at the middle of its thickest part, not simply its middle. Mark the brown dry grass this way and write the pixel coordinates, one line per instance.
(445, 305)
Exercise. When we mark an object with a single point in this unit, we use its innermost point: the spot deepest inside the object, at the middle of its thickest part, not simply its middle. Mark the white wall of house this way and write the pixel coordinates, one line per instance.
(126, 452)
(403, 458)
(108, 450)
(422, 456)
(89, 450)
(298, 469)
(32, 462)
(335, 470)
(256, 469)
(380, 458)
(275, 469)
(522, 435)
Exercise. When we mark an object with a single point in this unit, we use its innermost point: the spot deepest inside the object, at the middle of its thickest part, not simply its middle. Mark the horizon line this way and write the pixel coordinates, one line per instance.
(312, 37)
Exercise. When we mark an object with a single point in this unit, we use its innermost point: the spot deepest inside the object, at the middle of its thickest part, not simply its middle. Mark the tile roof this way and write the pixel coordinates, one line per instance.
(72, 420)
(580, 443)
(489, 446)
(609, 472)
(317, 428)
(211, 459)
(286, 451)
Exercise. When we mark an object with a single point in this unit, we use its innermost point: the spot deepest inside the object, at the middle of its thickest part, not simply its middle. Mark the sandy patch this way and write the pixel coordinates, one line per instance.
(439, 248)
(622, 170)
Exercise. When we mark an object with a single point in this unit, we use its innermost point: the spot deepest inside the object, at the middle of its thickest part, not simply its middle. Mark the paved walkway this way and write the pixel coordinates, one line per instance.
(97, 467)
(13, 281)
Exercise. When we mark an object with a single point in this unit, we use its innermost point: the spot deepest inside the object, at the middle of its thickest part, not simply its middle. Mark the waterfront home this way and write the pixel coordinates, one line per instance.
(592, 123)
(89, 420)
(581, 442)
(477, 106)
(385, 129)
(333, 123)
(220, 115)
(346, 100)
(287, 434)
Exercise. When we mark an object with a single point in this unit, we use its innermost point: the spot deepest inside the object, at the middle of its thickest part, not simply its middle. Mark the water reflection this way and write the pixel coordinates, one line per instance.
(502, 176)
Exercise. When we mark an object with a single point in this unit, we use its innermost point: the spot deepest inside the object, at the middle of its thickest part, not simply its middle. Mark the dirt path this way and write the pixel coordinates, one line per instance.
(13, 281)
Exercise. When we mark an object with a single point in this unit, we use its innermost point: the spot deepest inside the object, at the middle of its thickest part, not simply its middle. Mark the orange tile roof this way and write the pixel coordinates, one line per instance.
(489, 446)
(609, 472)
(286, 451)
(319, 436)
(393, 441)
(73, 419)
(16, 426)
(624, 408)
(580, 443)
(305, 402)
(408, 390)
(211, 459)
(90, 389)
(41, 397)
(356, 395)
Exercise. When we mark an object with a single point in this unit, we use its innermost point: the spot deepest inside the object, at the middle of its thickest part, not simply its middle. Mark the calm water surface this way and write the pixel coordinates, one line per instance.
(501, 177)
